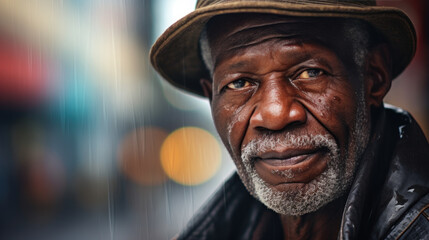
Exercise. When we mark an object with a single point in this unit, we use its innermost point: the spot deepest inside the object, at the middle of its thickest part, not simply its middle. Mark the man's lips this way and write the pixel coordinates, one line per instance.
(302, 165)
(286, 158)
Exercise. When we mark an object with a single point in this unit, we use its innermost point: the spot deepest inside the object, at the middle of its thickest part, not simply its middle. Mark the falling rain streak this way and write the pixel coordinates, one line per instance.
(92, 144)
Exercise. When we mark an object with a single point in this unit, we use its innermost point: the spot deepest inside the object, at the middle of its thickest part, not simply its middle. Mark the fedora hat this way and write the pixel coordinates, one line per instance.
(176, 53)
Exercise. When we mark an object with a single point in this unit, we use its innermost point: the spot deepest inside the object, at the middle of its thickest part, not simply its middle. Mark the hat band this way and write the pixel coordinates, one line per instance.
(204, 3)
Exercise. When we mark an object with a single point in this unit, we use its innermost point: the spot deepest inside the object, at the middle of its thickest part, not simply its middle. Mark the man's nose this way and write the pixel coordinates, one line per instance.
(277, 109)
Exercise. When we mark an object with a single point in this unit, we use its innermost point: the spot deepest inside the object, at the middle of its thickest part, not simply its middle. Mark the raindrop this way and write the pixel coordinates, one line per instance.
(400, 201)
(417, 189)
(337, 99)
(398, 207)
(401, 131)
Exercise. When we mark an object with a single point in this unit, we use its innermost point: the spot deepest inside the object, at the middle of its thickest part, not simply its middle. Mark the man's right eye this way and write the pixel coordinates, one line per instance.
(238, 84)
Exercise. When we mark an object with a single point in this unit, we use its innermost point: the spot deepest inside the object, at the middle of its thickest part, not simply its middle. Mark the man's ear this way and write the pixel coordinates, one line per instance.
(378, 78)
(206, 85)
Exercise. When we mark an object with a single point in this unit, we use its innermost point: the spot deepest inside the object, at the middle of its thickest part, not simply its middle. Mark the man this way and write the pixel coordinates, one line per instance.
(296, 92)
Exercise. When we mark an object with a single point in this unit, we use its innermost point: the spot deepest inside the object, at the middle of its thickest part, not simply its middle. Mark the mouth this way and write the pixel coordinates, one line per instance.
(291, 166)
(287, 158)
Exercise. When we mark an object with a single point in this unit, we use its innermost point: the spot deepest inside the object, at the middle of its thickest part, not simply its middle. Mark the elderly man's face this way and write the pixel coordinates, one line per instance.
(290, 109)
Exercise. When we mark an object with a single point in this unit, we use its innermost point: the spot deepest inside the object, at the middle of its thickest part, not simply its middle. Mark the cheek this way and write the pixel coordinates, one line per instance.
(335, 110)
(333, 107)
(331, 101)
(337, 102)
(230, 121)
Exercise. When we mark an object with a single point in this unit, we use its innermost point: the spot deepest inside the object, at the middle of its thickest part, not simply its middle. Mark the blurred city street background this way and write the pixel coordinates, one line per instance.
(93, 145)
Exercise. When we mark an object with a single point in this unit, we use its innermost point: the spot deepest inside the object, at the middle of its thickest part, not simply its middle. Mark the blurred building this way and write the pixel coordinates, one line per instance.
(93, 145)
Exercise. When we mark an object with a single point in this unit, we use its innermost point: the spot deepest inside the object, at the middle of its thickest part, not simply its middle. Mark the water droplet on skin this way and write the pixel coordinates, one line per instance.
(337, 99)
(401, 131)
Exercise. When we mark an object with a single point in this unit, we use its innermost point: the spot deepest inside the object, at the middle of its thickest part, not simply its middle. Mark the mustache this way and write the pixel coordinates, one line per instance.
(271, 142)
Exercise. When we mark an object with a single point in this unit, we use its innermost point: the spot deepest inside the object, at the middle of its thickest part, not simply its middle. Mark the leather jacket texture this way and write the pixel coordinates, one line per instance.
(389, 197)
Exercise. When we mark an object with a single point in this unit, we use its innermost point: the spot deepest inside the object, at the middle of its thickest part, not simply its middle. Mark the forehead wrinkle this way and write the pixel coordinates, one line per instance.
(249, 33)
(246, 36)
(245, 22)
(236, 47)
(299, 55)
(253, 36)
(238, 65)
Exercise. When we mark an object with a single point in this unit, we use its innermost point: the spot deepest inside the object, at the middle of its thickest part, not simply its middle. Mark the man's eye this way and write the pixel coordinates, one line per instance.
(237, 84)
(310, 73)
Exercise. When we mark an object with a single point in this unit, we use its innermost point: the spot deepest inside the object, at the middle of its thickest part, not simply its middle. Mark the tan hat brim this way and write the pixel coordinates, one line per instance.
(176, 56)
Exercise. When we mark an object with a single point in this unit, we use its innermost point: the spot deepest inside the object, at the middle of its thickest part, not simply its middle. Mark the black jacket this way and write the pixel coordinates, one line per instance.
(389, 198)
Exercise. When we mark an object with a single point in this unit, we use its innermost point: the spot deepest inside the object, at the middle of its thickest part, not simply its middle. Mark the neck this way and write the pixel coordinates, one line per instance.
(321, 224)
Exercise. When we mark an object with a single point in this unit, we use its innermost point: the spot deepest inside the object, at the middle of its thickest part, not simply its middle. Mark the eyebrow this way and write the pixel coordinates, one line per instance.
(239, 64)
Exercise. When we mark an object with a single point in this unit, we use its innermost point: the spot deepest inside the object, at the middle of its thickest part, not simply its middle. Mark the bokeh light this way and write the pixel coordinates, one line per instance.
(44, 181)
(190, 155)
(23, 72)
(42, 170)
(139, 155)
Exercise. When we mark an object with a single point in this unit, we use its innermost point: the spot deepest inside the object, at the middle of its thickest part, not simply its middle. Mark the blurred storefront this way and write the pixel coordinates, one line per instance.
(92, 144)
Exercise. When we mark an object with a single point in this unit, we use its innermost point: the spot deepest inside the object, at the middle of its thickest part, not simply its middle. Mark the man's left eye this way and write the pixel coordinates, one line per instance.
(310, 73)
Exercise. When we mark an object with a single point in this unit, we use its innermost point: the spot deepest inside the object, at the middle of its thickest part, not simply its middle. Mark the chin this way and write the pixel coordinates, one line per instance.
(297, 199)
(301, 198)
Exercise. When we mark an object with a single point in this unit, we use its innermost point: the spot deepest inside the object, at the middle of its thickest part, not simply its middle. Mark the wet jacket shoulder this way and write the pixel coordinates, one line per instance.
(403, 201)
(389, 198)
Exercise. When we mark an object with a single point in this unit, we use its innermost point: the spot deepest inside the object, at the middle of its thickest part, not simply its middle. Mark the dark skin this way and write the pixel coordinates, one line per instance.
(277, 74)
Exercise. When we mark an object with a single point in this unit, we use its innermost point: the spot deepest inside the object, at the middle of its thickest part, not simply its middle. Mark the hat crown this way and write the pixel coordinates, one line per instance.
(204, 3)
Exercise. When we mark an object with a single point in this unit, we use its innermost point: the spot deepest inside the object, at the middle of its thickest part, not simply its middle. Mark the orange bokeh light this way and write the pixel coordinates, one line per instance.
(190, 155)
